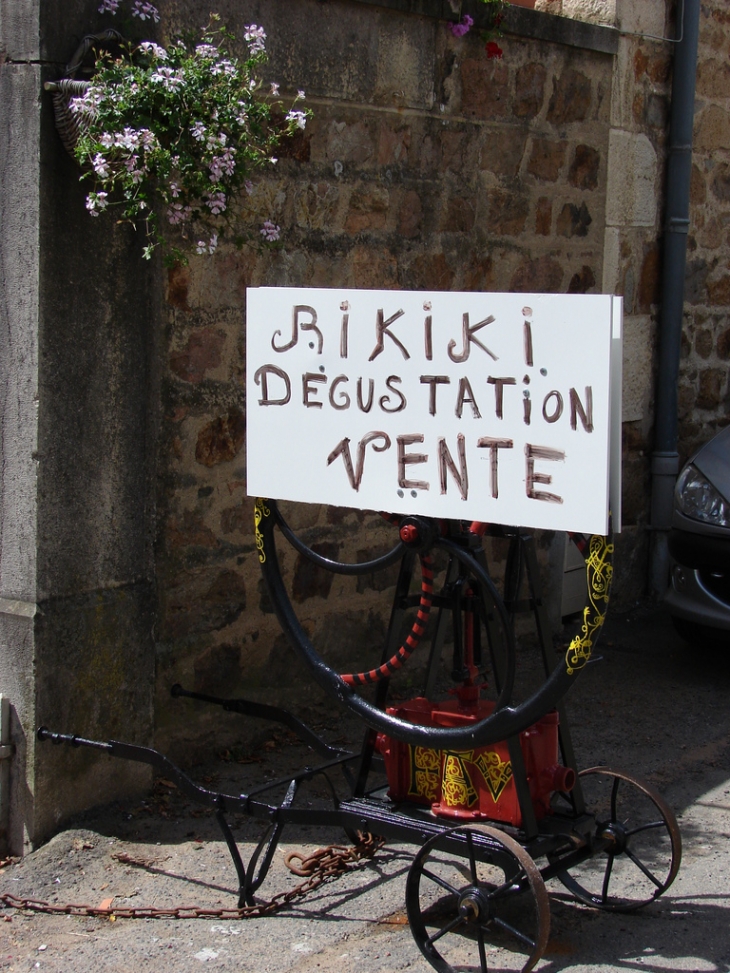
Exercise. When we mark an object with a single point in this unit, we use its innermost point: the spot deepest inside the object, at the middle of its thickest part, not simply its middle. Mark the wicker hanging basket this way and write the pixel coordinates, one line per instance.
(69, 124)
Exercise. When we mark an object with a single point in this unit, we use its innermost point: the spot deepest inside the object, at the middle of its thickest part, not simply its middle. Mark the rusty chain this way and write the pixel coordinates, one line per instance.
(323, 865)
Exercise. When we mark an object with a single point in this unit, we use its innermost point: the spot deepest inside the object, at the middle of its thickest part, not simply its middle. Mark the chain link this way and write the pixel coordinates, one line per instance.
(321, 866)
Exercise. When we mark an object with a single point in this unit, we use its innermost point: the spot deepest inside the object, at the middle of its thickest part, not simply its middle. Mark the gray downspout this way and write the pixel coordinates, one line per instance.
(665, 458)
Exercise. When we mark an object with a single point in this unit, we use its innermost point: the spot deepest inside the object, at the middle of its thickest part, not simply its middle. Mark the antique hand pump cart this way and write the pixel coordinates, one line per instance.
(482, 777)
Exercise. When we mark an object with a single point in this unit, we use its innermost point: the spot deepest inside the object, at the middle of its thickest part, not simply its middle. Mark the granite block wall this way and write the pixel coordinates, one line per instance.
(427, 165)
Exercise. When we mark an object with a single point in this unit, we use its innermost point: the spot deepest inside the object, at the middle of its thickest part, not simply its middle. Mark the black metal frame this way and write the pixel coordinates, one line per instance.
(364, 811)
(465, 548)
(563, 839)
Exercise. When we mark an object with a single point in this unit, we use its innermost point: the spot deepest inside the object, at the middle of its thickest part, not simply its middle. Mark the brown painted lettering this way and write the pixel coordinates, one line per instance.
(526, 407)
(528, 343)
(467, 335)
(576, 409)
(385, 399)
(433, 381)
(446, 461)
(465, 394)
(344, 401)
(309, 390)
(557, 411)
(494, 446)
(382, 328)
(354, 474)
(546, 453)
(304, 325)
(428, 337)
(409, 459)
(499, 384)
(261, 377)
(371, 391)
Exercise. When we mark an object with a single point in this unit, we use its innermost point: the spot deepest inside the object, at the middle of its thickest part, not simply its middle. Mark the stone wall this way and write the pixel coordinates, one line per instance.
(427, 165)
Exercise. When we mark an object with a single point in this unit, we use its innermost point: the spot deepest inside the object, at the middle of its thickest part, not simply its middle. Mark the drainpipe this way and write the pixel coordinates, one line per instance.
(665, 458)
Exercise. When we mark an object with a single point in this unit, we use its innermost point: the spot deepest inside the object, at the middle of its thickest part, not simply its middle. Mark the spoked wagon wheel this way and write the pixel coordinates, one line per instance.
(643, 847)
(474, 891)
(419, 536)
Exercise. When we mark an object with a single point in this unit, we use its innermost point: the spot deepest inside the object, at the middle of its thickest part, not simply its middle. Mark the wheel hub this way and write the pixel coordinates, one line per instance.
(616, 836)
(474, 906)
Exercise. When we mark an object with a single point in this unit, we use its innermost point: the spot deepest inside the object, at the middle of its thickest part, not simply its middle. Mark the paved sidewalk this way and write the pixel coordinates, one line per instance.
(651, 707)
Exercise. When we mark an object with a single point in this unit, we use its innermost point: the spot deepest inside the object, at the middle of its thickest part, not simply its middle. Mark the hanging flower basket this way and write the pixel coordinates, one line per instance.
(71, 125)
(169, 137)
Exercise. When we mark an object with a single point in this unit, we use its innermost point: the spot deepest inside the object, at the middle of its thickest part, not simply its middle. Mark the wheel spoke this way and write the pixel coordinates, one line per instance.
(637, 831)
(472, 859)
(614, 794)
(447, 928)
(640, 865)
(482, 951)
(488, 919)
(508, 885)
(607, 878)
(508, 927)
(646, 827)
(440, 881)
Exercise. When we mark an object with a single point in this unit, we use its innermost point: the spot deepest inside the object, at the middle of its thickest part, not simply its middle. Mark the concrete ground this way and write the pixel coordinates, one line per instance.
(650, 706)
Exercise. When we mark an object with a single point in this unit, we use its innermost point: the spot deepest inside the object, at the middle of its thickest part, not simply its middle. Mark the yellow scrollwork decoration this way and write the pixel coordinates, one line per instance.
(457, 789)
(497, 773)
(599, 572)
(425, 773)
(260, 511)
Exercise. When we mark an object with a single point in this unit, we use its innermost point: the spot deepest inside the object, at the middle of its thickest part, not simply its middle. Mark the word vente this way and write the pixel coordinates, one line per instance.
(381, 441)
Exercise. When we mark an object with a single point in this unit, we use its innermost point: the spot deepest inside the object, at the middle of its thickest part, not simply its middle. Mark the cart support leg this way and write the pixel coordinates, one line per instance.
(235, 855)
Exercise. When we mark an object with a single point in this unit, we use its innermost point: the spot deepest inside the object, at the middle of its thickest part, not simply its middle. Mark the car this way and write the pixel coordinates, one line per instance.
(698, 597)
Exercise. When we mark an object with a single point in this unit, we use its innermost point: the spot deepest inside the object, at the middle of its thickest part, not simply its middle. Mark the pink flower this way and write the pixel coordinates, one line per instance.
(216, 203)
(96, 203)
(298, 117)
(101, 166)
(270, 231)
(463, 27)
(208, 247)
(256, 37)
(145, 11)
(177, 213)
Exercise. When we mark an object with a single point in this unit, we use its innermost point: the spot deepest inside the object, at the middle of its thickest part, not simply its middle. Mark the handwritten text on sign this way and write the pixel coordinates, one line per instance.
(492, 407)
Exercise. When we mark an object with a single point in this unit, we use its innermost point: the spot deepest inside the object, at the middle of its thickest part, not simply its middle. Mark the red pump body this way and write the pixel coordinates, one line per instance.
(472, 784)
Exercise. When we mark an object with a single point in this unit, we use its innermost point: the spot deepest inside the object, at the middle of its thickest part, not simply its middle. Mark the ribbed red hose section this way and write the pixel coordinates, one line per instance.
(417, 630)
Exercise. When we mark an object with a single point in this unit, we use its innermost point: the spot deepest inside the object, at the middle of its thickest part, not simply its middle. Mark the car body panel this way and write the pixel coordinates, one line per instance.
(713, 459)
(699, 587)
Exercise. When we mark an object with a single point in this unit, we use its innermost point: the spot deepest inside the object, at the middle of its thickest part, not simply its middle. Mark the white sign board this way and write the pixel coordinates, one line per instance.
(469, 406)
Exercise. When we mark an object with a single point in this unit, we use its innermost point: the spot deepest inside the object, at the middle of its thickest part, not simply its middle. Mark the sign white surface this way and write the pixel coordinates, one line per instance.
(471, 406)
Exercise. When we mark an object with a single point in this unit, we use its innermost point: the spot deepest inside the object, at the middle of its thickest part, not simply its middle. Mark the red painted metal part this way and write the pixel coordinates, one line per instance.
(477, 784)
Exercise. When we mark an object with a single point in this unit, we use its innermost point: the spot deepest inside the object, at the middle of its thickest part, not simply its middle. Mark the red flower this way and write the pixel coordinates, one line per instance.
(494, 50)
